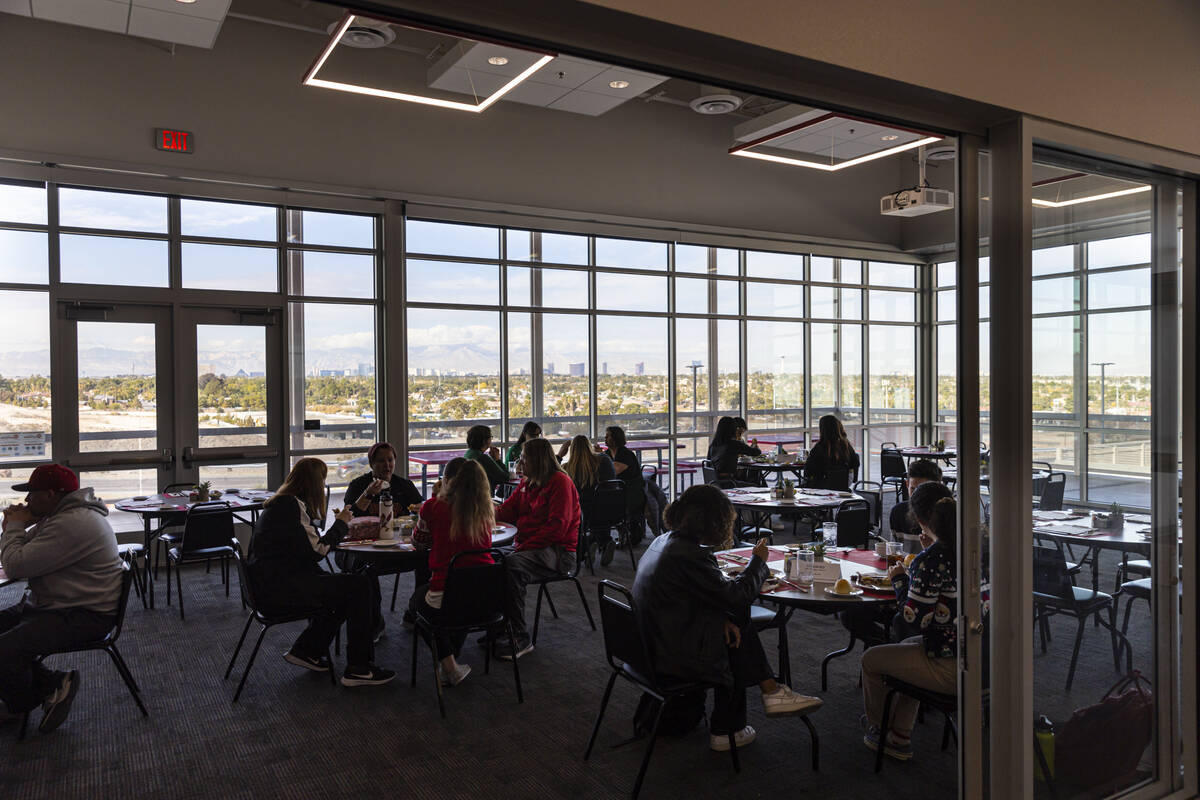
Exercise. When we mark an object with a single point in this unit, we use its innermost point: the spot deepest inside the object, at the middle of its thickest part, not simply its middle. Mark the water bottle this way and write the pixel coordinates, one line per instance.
(385, 510)
(1043, 734)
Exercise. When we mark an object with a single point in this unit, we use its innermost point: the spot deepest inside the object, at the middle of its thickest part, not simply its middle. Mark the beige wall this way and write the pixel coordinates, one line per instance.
(1126, 68)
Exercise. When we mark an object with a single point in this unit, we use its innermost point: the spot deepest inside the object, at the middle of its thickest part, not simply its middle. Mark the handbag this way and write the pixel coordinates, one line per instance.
(1104, 742)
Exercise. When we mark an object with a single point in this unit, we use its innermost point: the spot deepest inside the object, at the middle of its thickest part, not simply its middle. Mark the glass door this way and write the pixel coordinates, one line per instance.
(230, 393)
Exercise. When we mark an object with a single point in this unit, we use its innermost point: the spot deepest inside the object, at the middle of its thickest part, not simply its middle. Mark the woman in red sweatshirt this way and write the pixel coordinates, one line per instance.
(458, 518)
(545, 509)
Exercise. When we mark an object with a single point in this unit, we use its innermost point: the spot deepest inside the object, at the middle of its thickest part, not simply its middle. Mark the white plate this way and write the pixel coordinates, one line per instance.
(386, 543)
(852, 593)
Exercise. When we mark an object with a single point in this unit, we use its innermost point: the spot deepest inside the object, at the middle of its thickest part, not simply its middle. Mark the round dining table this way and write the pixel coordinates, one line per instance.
(759, 505)
(405, 556)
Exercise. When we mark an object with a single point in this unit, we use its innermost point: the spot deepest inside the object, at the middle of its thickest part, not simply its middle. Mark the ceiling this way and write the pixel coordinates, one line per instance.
(191, 23)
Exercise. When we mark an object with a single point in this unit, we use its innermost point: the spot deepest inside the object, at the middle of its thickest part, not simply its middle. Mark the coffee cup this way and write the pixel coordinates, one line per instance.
(881, 549)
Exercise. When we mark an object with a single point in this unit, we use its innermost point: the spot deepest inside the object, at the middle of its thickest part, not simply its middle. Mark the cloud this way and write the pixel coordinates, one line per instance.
(442, 334)
(343, 341)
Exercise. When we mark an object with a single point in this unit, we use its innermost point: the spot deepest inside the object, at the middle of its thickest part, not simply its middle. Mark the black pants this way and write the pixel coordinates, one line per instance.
(352, 598)
(347, 562)
(446, 643)
(750, 668)
(25, 634)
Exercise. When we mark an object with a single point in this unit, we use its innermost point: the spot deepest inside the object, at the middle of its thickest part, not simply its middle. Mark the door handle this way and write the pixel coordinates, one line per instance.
(975, 628)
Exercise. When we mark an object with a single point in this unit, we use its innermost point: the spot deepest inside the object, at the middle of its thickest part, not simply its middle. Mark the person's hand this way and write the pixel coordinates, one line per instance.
(754, 441)
(494, 452)
(761, 550)
(344, 514)
(562, 451)
(897, 570)
(18, 513)
(926, 540)
(733, 635)
(377, 486)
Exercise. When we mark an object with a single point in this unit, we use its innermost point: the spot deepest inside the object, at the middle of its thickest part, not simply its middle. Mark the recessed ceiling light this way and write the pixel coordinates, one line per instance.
(800, 162)
(498, 61)
(618, 84)
(1091, 199)
(185, 2)
(891, 137)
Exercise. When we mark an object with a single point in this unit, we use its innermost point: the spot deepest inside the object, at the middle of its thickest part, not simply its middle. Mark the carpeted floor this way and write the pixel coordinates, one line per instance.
(293, 735)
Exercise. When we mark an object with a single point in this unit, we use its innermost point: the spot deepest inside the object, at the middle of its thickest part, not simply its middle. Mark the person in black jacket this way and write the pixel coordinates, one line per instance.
(697, 621)
(832, 462)
(904, 528)
(628, 469)
(726, 448)
(285, 553)
(362, 495)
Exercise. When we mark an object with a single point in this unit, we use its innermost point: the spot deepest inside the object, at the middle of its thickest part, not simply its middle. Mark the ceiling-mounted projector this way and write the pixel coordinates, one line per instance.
(915, 202)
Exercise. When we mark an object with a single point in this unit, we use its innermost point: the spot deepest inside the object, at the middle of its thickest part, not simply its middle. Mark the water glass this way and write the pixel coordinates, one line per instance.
(829, 534)
(895, 552)
(804, 568)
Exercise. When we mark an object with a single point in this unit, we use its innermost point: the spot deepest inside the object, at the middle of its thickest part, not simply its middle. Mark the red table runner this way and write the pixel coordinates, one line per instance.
(865, 557)
(773, 553)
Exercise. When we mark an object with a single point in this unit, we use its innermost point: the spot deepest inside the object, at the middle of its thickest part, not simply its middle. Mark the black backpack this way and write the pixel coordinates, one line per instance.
(680, 716)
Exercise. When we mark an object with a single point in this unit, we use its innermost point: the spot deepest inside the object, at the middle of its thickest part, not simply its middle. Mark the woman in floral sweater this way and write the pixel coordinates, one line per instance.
(927, 594)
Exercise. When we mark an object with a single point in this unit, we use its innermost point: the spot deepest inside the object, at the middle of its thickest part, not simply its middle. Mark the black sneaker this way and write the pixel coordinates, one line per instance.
(608, 551)
(315, 663)
(370, 676)
(60, 703)
(505, 653)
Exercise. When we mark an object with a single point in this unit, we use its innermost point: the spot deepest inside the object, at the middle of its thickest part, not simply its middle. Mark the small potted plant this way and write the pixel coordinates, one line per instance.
(789, 489)
(940, 445)
(818, 550)
(202, 491)
(1116, 517)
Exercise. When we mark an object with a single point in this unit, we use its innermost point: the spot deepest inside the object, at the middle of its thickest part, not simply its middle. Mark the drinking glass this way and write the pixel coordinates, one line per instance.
(804, 568)
(829, 534)
(895, 552)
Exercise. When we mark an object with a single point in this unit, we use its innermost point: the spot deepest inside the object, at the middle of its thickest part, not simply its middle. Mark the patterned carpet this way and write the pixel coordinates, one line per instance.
(293, 735)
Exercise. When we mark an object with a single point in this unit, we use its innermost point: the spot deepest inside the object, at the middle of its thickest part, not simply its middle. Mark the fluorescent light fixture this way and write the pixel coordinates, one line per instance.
(618, 84)
(497, 61)
(891, 137)
(800, 162)
(1091, 199)
(185, 2)
(311, 79)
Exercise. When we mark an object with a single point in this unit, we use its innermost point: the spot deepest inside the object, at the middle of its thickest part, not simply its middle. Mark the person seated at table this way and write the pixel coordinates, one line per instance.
(588, 469)
(629, 471)
(479, 448)
(285, 553)
(531, 430)
(927, 593)
(832, 462)
(545, 509)
(726, 448)
(697, 621)
(459, 517)
(740, 428)
(69, 557)
(900, 520)
(362, 495)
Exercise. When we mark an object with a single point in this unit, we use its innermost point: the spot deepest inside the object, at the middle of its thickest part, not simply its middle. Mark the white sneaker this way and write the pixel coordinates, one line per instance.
(721, 743)
(784, 701)
(454, 678)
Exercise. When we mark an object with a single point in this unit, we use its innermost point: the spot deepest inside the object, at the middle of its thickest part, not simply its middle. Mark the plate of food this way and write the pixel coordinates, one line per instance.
(843, 588)
(733, 570)
(385, 543)
(875, 582)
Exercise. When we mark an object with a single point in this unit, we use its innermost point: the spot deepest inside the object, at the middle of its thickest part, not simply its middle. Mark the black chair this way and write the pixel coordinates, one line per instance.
(543, 585)
(1053, 487)
(708, 471)
(629, 657)
(207, 534)
(835, 479)
(606, 512)
(130, 553)
(267, 620)
(892, 469)
(947, 704)
(1054, 593)
(171, 527)
(474, 600)
(1141, 589)
(109, 645)
(1131, 566)
(853, 518)
(763, 619)
(872, 492)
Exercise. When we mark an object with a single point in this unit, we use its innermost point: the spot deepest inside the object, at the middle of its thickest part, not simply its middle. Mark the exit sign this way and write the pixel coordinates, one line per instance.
(176, 141)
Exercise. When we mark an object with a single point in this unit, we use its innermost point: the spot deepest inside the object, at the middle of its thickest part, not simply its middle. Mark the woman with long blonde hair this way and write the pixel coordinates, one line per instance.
(458, 518)
(585, 466)
(285, 552)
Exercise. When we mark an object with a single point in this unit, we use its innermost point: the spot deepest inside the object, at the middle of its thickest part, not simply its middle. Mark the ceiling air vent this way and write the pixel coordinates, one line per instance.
(366, 34)
(711, 104)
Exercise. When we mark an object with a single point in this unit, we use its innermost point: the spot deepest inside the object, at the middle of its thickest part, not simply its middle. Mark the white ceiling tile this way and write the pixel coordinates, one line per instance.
(108, 15)
(845, 150)
(22, 7)
(177, 28)
(475, 84)
(590, 103)
(536, 94)
(208, 9)
(574, 72)
(475, 55)
(638, 82)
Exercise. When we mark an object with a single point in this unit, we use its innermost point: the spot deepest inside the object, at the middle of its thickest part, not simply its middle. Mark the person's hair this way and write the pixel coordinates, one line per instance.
(540, 462)
(583, 466)
(739, 423)
(925, 470)
(932, 505)
(726, 430)
(530, 431)
(477, 436)
(703, 513)
(449, 471)
(617, 433)
(376, 448)
(472, 513)
(833, 443)
(306, 482)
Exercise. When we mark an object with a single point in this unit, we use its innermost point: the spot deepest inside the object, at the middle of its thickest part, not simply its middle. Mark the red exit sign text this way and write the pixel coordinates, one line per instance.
(175, 141)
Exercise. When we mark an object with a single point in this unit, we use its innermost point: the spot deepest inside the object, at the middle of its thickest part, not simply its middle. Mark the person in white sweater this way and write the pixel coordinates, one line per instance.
(58, 540)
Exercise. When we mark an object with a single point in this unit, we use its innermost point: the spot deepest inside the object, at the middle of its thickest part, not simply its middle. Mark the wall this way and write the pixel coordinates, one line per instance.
(92, 95)
(1128, 69)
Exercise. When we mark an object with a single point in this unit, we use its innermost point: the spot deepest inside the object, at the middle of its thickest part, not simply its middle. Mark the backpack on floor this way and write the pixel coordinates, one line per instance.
(680, 716)
(1102, 743)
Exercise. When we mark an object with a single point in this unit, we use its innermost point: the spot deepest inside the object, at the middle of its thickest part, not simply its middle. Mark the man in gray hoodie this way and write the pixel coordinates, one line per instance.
(69, 557)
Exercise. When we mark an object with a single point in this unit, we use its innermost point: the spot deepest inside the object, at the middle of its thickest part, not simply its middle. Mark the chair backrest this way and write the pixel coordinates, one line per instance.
(607, 507)
(474, 594)
(246, 584)
(178, 487)
(708, 471)
(126, 583)
(1052, 492)
(891, 463)
(1050, 576)
(836, 478)
(624, 642)
(872, 492)
(853, 519)
(207, 525)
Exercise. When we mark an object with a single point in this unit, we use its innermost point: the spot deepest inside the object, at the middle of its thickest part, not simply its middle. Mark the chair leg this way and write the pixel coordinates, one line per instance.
(1075, 652)
(1112, 632)
(884, 727)
(168, 581)
(127, 676)
(637, 784)
(179, 587)
(395, 589)
(785, 659)
(512, 643)
(250, 663)
(225, 573)
(946, 732)
(587, 609)
(1125, 621)
(816, 742)
(436, 678)
(238, 649)
(600, 715)
(830, 657)
(413, 678)
(550, 600)
(537, 613)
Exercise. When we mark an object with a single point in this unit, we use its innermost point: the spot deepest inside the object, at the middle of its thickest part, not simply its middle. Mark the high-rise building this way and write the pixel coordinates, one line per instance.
(639, 368)
(575, 370)
(549, 367)
(604, 368)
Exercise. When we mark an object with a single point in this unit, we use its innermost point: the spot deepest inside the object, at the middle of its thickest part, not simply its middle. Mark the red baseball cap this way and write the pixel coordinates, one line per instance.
(55, 477)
